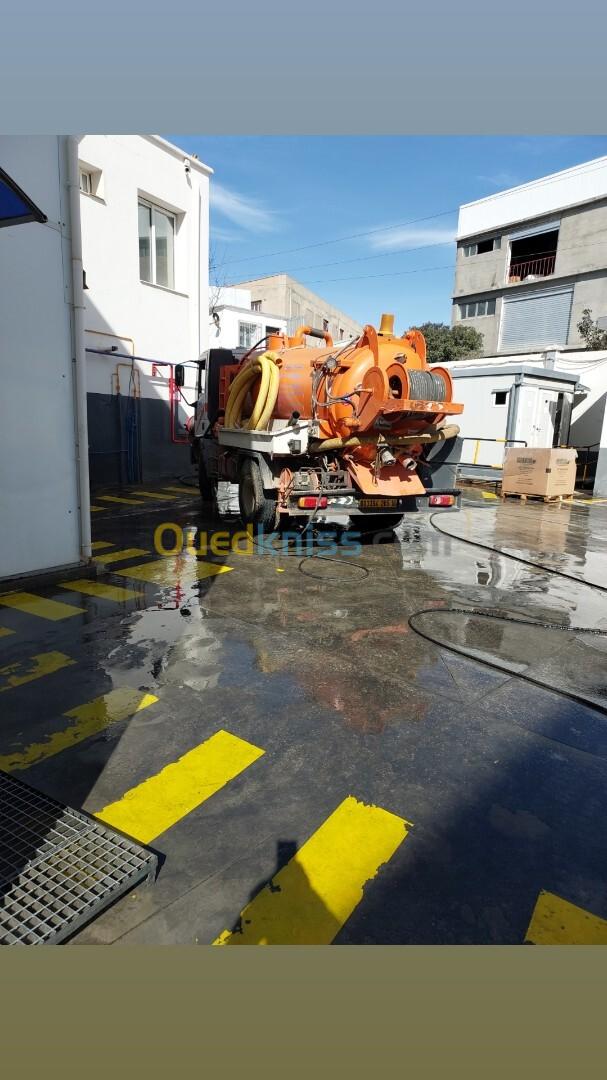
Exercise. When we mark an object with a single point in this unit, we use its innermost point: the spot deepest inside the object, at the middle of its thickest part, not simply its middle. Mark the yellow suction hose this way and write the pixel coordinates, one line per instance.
(266, 367)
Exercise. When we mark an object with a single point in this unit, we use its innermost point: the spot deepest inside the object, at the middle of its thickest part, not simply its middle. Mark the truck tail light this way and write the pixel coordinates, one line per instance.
(441, 500)
(310, 502)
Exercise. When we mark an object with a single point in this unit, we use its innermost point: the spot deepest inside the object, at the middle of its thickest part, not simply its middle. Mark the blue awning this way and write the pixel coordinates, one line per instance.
(16, 208)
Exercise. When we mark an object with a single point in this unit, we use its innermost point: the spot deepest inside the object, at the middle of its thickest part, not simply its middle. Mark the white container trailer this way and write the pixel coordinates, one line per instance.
(510, 404)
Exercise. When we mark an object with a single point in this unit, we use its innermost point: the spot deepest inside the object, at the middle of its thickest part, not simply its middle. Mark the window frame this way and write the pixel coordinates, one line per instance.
(487, 301)
(86, 174)
(156, 208)
(256, 305)
(252, 327)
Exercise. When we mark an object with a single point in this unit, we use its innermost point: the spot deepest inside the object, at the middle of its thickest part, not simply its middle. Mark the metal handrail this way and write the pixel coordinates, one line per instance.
(543, 267)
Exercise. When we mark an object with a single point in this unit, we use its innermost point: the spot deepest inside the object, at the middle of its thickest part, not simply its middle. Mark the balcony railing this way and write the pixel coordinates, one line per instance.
(541, 267)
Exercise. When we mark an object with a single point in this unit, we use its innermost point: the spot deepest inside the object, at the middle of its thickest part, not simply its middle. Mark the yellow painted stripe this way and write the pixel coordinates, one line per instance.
(309, 900)
(120, 556)
(99, 545)
(89, 719)
(488, 495)
(182, 490)
(98, 589)
(95, 509)
(154, 495)
(154, 806)
(30, 604)
(4, 631)
(170, 571)
(557, 922)
(117, 499)
(35, 667)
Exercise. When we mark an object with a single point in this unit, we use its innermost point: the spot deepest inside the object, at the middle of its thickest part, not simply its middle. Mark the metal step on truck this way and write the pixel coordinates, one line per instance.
(359, 433)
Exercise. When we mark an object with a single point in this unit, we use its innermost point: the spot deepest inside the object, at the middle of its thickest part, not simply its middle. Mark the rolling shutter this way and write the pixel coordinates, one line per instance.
(537, 318)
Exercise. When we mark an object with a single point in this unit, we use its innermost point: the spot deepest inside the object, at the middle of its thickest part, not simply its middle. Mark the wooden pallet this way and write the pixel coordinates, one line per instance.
(542, 498)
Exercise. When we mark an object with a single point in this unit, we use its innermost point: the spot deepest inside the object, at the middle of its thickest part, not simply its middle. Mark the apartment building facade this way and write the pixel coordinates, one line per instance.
(282, 295)
(531, 259)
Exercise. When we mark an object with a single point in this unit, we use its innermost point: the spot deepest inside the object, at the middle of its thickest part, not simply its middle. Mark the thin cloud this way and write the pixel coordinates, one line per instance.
(247, 213)
(401, 239)
(500, 180)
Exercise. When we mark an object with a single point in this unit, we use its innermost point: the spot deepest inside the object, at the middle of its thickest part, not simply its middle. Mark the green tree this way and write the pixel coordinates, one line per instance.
(451, 342)
(594, 337)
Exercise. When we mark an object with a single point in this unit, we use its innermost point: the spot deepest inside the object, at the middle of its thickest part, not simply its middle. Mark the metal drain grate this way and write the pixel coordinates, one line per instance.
(59, 868)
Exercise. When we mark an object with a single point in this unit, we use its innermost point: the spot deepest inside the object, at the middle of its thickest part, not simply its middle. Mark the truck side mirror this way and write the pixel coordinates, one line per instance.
(179, 375)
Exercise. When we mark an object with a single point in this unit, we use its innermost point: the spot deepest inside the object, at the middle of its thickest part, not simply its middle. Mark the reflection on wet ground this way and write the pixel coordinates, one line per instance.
(314, 661)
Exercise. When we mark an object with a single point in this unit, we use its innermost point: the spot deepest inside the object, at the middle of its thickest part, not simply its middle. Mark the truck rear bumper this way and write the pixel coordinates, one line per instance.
(353, 505)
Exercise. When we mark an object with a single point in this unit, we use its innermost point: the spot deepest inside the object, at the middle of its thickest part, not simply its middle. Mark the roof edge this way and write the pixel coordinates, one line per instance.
(176, 151)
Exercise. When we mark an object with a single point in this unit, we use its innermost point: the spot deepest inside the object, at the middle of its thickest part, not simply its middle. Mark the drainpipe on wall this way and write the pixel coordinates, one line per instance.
(82, 438)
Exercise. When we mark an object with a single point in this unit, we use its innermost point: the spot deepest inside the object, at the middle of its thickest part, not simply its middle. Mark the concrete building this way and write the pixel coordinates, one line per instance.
(283, 295)
(145, 212)
(44, 518)
(530, 259)
(234, 324)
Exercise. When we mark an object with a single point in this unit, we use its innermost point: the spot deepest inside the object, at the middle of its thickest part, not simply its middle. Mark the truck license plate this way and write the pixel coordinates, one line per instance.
(378, 504)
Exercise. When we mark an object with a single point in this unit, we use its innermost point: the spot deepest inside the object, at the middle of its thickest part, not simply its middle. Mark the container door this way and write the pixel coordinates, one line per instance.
(545, 417)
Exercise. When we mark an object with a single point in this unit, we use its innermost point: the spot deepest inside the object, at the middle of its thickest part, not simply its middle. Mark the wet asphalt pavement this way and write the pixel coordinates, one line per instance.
(501, 780)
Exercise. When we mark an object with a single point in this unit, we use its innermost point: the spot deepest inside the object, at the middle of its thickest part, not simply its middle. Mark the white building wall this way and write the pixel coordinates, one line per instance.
(39, 522)
(135, 317)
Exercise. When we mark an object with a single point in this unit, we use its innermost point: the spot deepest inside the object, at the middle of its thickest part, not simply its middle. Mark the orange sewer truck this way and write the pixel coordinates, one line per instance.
(357, 430)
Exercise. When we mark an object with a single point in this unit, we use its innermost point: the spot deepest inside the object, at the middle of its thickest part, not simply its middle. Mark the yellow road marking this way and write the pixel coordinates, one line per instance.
(170, 571)
(488, 495)
(37, 605)
(98, 589)
(153, 494)
(154, 806)
(117, 499)
(89, 719)
(99, 545)
(4, 631)
(182, 490)
(310, 899)
(94, 509)
(24, 671)
(557, 922)
(119, 556)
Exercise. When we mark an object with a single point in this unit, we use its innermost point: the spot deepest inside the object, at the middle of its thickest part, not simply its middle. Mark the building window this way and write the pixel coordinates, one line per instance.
(325, 325)
(476, 309)
(248, 334)
(156, 245)
(500, 397)
(90, 180)
(533, 256)
(255, 305)
(341, 333)
(272, 330)
(481, 247)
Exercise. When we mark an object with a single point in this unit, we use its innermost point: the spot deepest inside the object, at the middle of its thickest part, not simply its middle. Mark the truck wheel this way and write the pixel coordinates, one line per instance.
(375, 523)
(255, 507)
(208, 489)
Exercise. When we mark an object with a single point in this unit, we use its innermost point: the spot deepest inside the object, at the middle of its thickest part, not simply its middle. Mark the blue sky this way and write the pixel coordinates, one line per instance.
(271, 194)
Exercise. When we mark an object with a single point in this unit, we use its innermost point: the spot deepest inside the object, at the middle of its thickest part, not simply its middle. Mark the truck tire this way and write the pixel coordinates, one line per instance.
(375, 523)
(255, 507)
(208, 488)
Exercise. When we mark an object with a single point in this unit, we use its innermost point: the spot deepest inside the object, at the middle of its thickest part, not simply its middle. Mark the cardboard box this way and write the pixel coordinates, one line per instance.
(533, 471)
